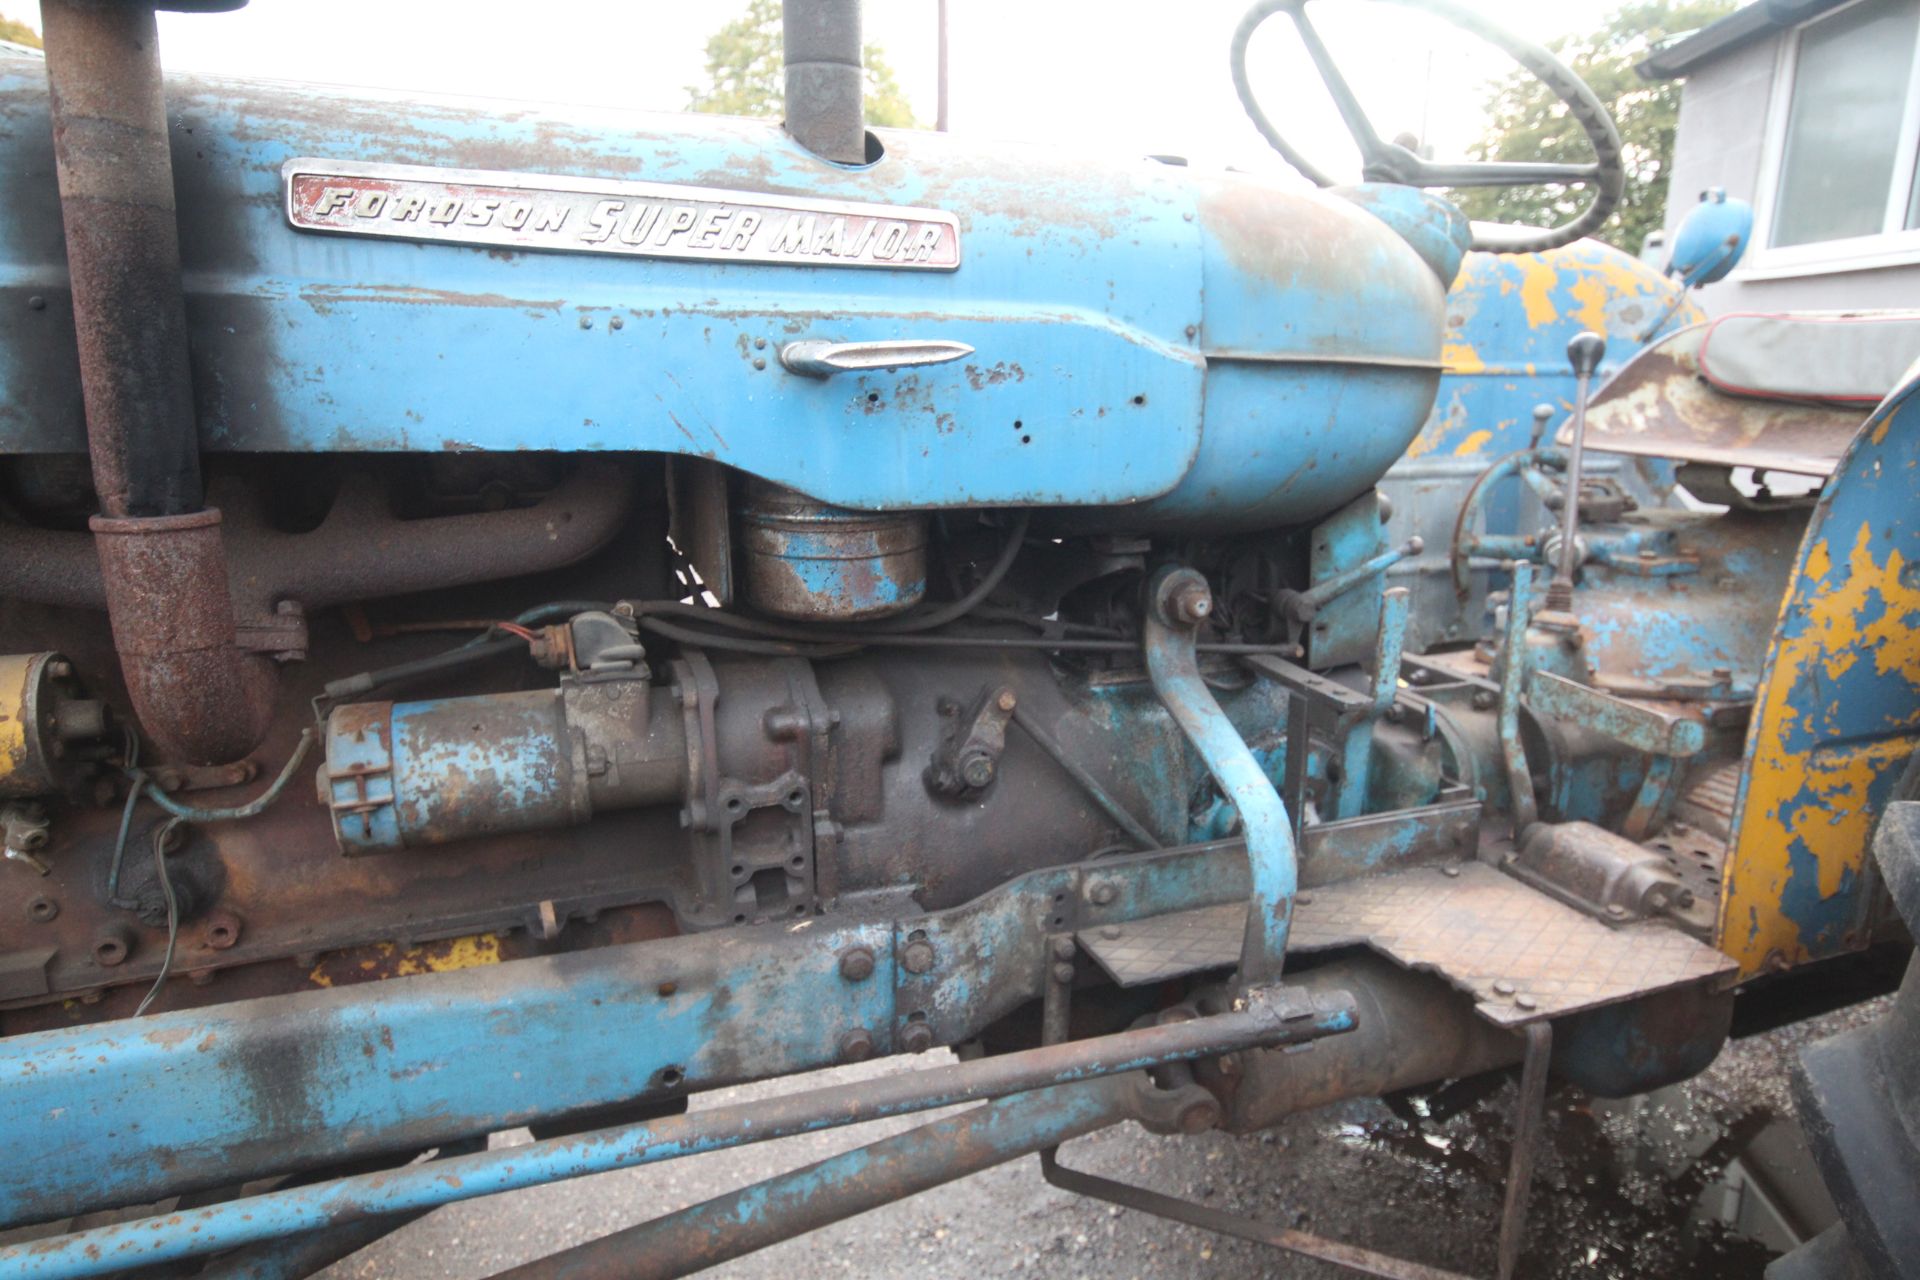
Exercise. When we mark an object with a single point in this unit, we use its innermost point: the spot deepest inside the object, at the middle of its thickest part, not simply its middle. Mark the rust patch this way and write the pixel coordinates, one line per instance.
(323, 298)
(994, 375)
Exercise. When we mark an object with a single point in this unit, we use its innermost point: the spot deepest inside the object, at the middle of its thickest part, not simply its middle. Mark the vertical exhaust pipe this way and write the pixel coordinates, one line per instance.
(821, 49)
(196, 693)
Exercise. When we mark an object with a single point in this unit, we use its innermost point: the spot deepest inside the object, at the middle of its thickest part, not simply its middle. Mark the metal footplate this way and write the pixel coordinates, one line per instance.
(1521, 955)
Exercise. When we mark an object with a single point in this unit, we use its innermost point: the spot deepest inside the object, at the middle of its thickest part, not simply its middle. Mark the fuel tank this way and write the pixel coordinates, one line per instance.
(1180, 350)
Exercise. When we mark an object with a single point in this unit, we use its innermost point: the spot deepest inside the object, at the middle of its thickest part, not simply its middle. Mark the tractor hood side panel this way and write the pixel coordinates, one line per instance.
(1082, 286)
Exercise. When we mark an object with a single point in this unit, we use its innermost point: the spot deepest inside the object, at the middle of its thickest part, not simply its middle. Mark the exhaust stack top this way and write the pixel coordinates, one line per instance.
(821, 49)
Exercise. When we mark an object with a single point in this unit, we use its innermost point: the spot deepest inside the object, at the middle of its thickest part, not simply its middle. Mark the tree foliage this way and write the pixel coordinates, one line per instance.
(744, 75)
(18, 32)
(1528, 123)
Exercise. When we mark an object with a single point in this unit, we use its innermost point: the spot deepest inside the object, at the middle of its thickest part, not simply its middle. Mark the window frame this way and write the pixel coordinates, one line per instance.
(1891, 246)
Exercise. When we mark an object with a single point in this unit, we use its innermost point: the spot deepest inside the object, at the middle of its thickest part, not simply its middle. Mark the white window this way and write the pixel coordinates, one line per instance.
(1840, 189)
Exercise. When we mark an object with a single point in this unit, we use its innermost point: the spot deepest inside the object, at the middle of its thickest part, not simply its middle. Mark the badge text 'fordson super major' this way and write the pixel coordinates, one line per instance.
(642, 219)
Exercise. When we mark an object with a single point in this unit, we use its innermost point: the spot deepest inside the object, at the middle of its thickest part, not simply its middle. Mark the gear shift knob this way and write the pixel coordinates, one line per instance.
(1585, 352)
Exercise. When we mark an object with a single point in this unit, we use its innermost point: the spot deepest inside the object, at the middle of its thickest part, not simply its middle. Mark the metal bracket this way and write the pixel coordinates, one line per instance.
(1642, 727)
(968, 757)
(718, 803)
(1338, 701)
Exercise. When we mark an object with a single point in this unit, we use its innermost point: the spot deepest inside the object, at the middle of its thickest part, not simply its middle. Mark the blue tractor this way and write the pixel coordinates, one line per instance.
(520, 618)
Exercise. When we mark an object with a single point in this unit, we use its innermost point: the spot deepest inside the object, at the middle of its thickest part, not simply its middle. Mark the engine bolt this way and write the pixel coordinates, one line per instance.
(1063, 973)
(1192, 603)
(1524, 1002)
(977, 770)
(1503, 988)
(856, 1046)
(1482, 699)
(1104, 893)
(1006, 700)
(1063, 948)
(856, 965)
(918, 957)
(916, 1037)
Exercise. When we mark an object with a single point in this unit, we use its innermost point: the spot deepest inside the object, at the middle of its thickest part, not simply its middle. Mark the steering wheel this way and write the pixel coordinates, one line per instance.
(1384, 161)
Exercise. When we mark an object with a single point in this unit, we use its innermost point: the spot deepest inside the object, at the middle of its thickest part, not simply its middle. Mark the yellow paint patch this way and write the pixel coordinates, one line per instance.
(457, 953)
(1439, 428)
(1842, 822)
(1473, 444)
(384, 960)
(14, 670)
(1591, 294)
(1460, 357)
(1538, 280)
(1817, 800)
(1888, 633)
(1819, 563)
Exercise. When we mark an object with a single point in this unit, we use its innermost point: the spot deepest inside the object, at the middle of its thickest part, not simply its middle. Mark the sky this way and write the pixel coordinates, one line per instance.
(1126, 76)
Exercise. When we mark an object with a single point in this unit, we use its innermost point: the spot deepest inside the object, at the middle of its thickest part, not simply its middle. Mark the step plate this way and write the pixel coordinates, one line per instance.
(1521, 955)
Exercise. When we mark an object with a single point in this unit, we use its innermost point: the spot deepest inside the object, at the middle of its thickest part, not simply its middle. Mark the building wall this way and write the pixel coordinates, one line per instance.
(1721, 142)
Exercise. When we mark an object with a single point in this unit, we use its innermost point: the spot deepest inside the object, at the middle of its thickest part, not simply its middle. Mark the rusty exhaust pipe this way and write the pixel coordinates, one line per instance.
(163, 561)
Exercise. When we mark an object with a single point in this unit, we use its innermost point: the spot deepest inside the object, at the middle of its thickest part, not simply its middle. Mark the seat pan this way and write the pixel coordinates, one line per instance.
(1831, 357)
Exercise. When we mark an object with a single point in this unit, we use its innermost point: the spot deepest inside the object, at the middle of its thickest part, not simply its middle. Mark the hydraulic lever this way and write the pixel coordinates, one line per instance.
(1302, 607)
(1584, 352)
(1178, 602)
